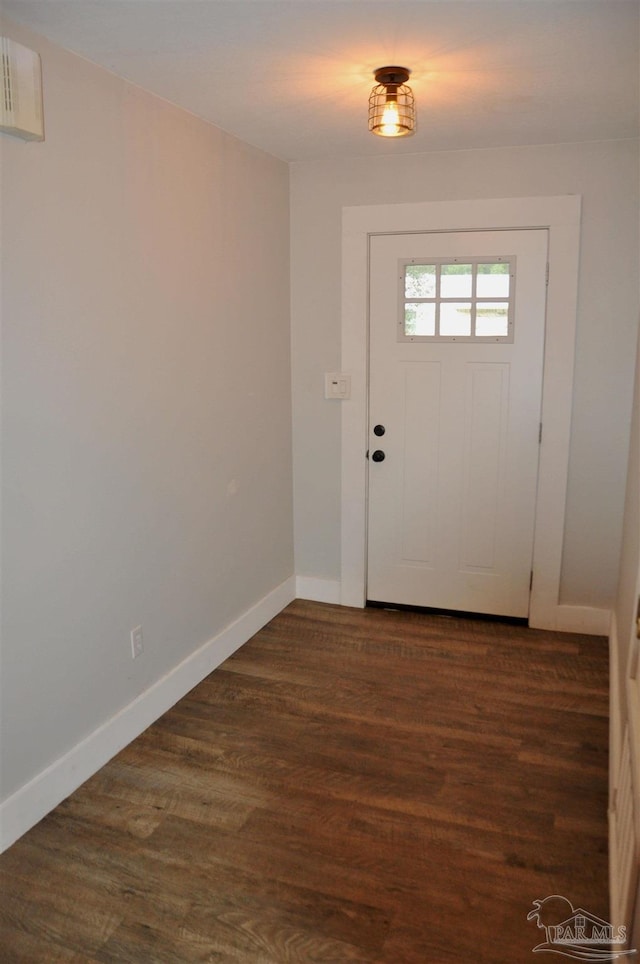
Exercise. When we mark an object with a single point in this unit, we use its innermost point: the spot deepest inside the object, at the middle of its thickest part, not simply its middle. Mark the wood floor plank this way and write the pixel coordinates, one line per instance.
(364, 786)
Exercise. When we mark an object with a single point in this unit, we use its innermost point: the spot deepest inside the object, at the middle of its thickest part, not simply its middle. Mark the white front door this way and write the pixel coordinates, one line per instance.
(455, 382)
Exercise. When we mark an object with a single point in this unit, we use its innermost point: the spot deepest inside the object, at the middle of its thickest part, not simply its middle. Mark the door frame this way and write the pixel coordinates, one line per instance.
(561, 216)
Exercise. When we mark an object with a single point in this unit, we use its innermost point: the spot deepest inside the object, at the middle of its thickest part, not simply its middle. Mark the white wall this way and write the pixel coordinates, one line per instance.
(605, 174)
(147, 421)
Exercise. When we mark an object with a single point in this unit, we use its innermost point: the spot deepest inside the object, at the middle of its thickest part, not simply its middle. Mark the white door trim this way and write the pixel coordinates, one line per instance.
(561, 215)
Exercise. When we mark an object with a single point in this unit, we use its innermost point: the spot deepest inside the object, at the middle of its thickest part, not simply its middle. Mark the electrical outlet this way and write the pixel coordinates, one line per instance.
(137, 646)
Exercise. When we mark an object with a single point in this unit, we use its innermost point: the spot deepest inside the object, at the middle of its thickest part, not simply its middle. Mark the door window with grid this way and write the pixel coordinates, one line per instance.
(457, 299)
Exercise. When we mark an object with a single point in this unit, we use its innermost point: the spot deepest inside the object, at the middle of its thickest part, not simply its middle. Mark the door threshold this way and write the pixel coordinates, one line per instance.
(446, 613)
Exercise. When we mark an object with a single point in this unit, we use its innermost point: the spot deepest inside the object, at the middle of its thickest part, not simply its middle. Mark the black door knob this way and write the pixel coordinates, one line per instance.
(378, 456)
(379, 430)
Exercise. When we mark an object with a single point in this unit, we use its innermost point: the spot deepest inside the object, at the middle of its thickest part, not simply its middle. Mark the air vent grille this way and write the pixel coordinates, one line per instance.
(7, 87)
(21, 95)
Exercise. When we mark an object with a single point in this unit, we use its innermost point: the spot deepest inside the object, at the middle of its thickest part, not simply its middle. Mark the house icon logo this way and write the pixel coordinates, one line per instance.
(577, 933)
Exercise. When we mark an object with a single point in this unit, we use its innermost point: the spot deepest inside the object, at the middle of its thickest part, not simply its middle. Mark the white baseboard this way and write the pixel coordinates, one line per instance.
(319, 590)
(570, 619)
(565, 619)
(35, 799)
(583, 619)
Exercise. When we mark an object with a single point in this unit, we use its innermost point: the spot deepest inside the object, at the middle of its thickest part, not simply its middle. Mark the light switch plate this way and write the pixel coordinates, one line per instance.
(337, 385)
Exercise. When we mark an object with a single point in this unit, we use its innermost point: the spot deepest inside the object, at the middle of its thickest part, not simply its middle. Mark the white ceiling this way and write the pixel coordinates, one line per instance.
(293, 76)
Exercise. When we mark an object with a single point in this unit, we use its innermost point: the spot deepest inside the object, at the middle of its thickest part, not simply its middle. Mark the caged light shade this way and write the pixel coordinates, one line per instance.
(392, 111)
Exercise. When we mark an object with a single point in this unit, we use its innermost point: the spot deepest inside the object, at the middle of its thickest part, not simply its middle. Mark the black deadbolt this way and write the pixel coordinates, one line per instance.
(378, 456)
(379, 430)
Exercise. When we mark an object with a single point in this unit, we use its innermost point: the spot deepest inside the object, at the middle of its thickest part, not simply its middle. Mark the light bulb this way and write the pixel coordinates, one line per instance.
(390, 126)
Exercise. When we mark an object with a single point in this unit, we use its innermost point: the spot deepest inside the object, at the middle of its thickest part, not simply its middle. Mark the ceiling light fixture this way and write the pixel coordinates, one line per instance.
(392, 111)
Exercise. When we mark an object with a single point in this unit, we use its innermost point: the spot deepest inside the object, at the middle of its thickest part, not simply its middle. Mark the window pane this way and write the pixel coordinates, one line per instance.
(492, 319)
(455, 318)
(420, 281)
(455, 281)
(493, 280)
(419, 319)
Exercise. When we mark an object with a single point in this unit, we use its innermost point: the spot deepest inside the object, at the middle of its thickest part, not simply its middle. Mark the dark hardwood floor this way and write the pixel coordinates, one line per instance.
(368, 786)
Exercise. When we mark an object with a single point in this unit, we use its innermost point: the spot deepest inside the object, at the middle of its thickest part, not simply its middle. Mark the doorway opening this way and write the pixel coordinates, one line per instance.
(361, 225)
